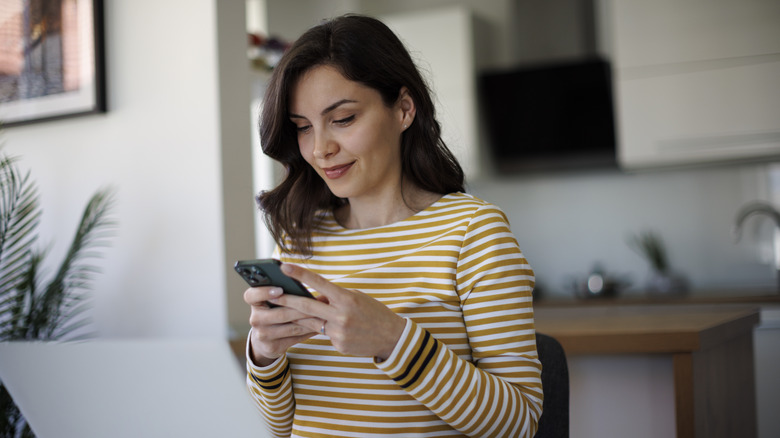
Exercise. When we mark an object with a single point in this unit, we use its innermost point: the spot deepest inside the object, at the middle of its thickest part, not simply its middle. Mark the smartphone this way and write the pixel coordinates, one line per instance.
(266, 272)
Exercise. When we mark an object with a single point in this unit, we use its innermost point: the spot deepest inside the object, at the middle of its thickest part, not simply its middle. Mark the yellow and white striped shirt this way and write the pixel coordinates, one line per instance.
(466, 364)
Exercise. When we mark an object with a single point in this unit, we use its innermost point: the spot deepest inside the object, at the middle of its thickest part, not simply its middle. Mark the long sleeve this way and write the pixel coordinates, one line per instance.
(271, 388)
(502, 394)
(475, 402)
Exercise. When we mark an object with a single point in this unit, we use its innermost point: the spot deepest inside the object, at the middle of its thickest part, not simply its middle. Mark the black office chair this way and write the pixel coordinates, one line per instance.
(555, 382)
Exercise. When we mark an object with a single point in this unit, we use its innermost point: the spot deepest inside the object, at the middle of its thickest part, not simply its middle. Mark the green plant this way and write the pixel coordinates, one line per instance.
(31, 308)
(650, 245)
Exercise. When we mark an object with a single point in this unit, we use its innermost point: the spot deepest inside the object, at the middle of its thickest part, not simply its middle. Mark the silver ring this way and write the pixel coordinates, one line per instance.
(322, 329)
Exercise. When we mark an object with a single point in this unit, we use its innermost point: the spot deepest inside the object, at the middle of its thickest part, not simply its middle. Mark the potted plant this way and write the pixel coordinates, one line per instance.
(661, 280)
(30, 307)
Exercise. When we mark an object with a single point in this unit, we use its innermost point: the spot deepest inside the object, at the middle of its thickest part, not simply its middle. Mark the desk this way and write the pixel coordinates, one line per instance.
(711, 347)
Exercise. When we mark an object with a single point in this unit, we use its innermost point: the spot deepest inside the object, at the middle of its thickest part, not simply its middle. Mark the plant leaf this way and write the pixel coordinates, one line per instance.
(19, 218)
(74, 276)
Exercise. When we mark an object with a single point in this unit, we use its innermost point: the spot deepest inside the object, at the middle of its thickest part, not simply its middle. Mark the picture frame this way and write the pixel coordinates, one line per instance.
(51, 60)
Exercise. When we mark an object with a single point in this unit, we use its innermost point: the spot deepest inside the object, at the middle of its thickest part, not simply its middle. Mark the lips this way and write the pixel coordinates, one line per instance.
(337, 171)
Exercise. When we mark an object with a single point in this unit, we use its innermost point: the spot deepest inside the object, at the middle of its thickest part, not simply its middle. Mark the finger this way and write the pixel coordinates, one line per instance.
(273, 348)
(303, 306)
(313, 280)
(256, 296)
(281, 332)
(313, 325)
(265, 316)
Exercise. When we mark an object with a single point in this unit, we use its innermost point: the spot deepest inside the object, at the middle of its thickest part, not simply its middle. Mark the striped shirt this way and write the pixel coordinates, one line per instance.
(466, 363)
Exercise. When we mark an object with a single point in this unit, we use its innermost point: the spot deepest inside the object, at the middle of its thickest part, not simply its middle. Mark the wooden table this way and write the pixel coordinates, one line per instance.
(711, 347)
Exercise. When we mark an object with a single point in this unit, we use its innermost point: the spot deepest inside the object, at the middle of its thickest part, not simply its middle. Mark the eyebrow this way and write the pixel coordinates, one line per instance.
(326, 110)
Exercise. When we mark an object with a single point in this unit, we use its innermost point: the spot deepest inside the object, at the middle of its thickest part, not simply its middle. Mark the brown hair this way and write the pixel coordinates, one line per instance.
(364, 50)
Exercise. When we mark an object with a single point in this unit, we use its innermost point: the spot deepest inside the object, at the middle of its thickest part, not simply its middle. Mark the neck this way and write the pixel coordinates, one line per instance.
(378, 211)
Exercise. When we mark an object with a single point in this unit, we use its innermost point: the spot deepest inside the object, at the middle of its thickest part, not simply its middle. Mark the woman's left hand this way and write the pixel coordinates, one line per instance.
(356, 323)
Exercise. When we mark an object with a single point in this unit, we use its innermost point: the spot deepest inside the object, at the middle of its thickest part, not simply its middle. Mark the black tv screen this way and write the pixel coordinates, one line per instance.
(550, 117)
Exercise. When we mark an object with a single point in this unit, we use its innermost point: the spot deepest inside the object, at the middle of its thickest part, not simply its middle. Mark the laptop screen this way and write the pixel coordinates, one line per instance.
(130, 388)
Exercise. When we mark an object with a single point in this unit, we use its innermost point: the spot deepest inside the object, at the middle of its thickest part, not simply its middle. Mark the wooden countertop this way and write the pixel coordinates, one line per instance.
(668, 328)
(700, 297)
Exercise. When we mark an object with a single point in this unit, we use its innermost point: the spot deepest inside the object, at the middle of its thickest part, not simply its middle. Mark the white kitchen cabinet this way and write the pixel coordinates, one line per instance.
(696, 81)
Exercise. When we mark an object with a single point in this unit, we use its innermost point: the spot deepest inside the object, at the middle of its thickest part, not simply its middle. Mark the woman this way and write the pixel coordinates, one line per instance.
(423, 324)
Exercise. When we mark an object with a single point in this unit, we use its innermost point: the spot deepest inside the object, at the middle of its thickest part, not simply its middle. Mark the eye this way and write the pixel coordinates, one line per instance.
(345, 121)
(303, 129)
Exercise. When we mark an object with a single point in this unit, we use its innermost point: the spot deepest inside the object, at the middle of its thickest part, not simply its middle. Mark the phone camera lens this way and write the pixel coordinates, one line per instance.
(258, 277)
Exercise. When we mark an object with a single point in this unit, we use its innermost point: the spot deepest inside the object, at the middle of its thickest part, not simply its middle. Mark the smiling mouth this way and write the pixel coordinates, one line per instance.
(337, 171)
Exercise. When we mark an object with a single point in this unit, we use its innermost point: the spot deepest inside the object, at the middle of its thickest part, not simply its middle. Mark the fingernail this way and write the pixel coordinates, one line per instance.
(275, 291)
(287, 269)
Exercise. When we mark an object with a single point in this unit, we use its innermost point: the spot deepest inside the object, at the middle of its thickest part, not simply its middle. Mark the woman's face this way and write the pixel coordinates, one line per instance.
(347, 133)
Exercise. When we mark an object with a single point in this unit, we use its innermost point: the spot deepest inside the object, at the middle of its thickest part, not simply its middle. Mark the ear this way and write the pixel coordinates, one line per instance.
(406, 108)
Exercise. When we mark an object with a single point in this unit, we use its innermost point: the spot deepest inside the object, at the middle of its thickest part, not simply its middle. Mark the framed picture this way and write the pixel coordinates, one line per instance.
(51, 60)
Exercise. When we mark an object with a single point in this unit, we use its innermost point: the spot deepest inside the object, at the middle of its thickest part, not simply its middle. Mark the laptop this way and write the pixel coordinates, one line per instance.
(130, 388)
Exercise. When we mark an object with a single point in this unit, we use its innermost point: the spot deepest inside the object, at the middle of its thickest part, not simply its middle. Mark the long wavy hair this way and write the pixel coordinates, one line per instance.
(364, 50)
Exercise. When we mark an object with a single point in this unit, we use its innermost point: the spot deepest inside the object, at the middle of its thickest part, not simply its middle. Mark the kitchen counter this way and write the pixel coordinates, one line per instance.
(700, 298)
(711, 346)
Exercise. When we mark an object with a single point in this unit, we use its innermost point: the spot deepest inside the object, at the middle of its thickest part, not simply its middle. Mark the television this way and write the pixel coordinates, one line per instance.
(556, 116)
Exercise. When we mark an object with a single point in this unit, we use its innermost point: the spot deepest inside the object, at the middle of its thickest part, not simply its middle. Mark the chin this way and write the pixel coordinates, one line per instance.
(340, 192)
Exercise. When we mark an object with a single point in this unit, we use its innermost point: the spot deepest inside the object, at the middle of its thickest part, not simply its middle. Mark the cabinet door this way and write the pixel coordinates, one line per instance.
(656, 32)
(696, 81)
(705, 116)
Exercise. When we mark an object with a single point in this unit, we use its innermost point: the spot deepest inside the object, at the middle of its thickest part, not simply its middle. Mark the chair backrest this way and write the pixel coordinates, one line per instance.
(554, 422)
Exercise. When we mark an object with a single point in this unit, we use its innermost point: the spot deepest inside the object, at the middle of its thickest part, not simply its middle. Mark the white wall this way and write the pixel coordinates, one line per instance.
(566, 223)
(160, 146)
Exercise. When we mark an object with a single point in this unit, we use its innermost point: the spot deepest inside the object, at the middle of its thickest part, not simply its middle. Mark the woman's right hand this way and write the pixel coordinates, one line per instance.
(273, 328)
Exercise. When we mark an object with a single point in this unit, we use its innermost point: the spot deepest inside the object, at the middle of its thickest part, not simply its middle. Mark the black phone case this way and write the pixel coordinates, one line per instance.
(266, 272)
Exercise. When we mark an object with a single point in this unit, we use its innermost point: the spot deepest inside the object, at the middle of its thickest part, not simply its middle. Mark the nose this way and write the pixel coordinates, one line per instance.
(324, 146)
